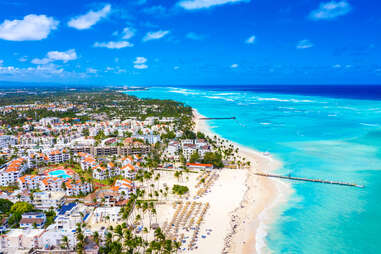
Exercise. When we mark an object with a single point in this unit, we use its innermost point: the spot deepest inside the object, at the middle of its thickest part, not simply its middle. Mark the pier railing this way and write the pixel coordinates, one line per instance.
(309, 179)
(218, 118)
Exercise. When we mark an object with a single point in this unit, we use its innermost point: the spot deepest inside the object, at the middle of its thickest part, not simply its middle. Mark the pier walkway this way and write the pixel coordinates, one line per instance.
(309, 180)
(218, 118)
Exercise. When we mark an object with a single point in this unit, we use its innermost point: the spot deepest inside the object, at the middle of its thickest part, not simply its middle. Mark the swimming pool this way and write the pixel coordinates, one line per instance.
(59, 173)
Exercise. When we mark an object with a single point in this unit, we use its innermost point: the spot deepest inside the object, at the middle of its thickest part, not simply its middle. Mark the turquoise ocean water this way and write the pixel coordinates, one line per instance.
(314, 136)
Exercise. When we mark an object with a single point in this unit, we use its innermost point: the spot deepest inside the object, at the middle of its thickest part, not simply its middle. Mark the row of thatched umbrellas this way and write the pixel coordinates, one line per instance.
(197, 228)
(207, 184)
(187, 216)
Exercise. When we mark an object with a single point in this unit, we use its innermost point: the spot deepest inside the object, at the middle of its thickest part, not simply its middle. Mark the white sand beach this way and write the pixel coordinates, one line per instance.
(222, 197)
(249, 218)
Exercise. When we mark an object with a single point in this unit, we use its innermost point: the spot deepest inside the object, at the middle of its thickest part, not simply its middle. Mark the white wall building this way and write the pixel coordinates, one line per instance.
(7, 140)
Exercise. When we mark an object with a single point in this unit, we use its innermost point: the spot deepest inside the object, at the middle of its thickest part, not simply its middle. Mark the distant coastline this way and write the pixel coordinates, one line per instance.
(132, 89)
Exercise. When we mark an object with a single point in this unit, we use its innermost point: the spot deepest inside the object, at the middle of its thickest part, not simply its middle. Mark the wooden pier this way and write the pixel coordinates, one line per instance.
(218, 118)
(309, 180)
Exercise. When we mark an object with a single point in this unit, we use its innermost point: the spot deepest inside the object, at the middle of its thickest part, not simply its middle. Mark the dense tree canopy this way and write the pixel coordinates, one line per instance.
(179, 189)
(5, 205)
(17, 210)
(213, 158)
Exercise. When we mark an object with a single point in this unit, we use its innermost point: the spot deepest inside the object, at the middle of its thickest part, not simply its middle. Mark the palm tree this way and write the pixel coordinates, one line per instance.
(176, 245)
(96, 237)
(157, 178)
(159, 234)
(137, 218)
(80, 239)
(153, 211)
(65, 241)
(119, 231)
(177, 175)
(145, 207)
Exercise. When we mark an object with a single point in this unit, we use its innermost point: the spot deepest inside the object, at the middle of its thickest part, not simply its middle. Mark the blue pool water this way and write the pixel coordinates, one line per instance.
(331, 134)
(59, 173)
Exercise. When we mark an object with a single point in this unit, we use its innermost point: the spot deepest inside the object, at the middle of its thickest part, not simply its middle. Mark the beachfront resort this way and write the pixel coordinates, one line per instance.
(83, 173)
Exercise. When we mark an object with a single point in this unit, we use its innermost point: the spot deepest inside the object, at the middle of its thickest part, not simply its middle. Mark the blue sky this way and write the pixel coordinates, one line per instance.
(148, 42)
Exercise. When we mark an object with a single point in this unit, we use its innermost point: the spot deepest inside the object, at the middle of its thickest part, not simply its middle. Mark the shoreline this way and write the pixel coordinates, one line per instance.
(260, 203)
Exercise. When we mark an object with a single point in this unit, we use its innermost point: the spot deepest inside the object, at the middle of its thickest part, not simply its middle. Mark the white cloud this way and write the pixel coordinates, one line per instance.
(336, 66)
(304, 44)
(91, 70)
(31, 28)
(39, 70)
(120, 71)
(52, 56)
(156, 10)
(250, 40)
(128, 32)
(202, 4)
(23, 59)
(116, 70)
(176, 67)
(140, 60)
(139, 63)
(155, 35)
(194, 36)
(65, 56)
(140, 66)
(113, 44)
(1, 62)
(331, 10)
(233, 66)
(89, 19)
(48, 72)
(41, 61)
(8, 70)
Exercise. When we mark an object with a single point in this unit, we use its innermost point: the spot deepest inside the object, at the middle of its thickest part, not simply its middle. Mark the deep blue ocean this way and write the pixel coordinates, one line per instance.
(330, 132)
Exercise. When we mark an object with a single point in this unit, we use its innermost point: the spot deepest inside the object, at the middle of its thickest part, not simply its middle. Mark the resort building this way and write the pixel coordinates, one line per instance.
(105, 197)
(52, 238)
(49, 156)
(75, 187)
(32, 220)
(20, 240)
(56, 180)
(190, 146)
(49, 121)
(151, 139)
(136, 148)
(173, 148)
(48, 200)
(100, 172)
(57, 156)
(69, 216)
(10, 172)
(29, 182)
(125, 187)
(109, 214)
(7, 140)
(188, 150)
(199, 166)
(128, 171)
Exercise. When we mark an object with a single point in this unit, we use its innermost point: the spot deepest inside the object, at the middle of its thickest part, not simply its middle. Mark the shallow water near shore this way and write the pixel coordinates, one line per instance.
(314, 136)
